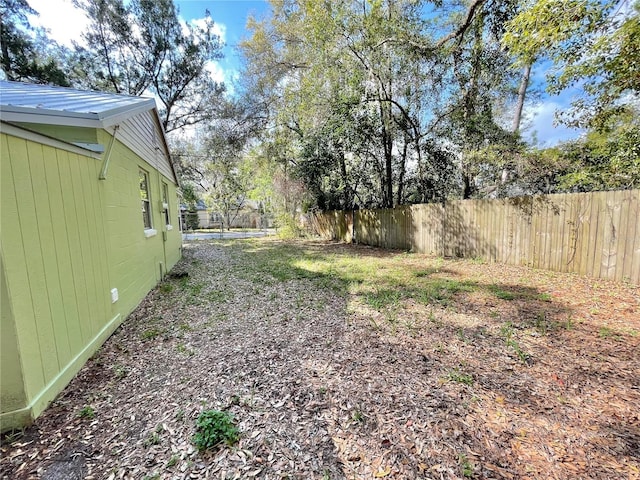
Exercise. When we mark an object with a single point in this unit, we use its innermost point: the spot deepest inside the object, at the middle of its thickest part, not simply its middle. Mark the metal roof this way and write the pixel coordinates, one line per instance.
(22, 102)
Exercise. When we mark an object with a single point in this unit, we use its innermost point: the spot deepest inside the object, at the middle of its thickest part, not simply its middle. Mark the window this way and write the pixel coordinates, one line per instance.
(165, 206)
(146, 200)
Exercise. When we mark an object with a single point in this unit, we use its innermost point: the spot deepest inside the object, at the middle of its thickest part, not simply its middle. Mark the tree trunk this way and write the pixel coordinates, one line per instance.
(345, 180)
(387, 146)
(522, 92)
(467, 188)
(403, 170)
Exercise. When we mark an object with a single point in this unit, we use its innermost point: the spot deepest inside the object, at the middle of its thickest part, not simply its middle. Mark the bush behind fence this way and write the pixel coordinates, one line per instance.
(595, 234)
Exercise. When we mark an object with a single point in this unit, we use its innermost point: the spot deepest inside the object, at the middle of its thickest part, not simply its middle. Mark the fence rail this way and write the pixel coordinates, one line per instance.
(595, 234)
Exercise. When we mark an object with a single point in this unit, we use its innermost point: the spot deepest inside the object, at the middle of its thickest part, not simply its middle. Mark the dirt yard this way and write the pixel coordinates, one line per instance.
(352, 362)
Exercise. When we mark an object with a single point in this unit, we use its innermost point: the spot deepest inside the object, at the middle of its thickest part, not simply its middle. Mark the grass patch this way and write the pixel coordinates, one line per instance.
(152, 439)
(507, 331)
(87, 412)
(382, 298)
(183, 349)
(465, 465)
(195, 288)
(545, 297)
(426, 273)
(457, 376)
(120, 371)
(442, 290)
(501, 293)
(218, 296)
(357, 416)
(150, 334)
(605, 332)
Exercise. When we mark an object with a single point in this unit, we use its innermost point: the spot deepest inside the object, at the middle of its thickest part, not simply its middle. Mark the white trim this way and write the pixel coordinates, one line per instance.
(150, 232)
(94, 147)
(113, 117)
(43, 116)
(23, 133)
(103, 119)
(169, 228)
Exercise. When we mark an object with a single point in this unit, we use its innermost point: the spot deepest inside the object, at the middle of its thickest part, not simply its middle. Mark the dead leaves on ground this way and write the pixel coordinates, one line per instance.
(509, 373)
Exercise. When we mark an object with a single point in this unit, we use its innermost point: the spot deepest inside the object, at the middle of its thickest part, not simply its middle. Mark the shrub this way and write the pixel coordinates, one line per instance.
(191, 220)
(214, 427)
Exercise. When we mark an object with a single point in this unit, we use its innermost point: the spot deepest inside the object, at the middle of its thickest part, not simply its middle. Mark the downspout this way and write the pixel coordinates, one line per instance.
(107, 155)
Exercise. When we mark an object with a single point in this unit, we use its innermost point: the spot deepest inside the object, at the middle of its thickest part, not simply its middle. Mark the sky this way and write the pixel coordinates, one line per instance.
(66, 23)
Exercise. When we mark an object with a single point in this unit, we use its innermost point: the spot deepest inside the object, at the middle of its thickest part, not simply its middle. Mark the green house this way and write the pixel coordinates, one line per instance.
(89, 225)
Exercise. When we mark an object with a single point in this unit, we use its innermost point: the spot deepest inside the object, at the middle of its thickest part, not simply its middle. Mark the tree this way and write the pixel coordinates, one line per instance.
(604, 160)
(592, 44)
(229, 179)
(215, 160)
(141, 46)
(345, 96)
(27, 54)
(190, 198)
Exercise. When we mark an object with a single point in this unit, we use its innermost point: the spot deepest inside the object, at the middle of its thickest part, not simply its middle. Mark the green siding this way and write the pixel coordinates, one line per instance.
(61, 132)
(68, 238)
(13, 397)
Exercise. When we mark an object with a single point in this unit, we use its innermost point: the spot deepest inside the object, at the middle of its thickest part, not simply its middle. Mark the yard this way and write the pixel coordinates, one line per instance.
(351, 362)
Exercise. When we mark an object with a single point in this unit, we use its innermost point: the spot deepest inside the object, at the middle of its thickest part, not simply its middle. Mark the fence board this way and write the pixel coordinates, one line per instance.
(634, 215)
(594, 234)
(630, 217)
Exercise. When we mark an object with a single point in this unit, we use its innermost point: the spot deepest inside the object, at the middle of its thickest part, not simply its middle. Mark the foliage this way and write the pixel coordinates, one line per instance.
(87, 412)
(465, 465)
(601, 160)
(457, 376)
(218, 162)
(214, 427)
(190, 199)
(229, 178)
(27, 55)
(150, 334)
(591, 43)
(421, 115)
(404, 124)
(189, 195)
(141, 46)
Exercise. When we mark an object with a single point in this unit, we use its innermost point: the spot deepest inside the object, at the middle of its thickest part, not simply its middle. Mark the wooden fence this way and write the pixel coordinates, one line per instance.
(595, 234)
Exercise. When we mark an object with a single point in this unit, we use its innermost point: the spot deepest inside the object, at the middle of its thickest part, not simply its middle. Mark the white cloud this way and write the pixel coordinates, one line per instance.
(219, 29)
(216, 72)
(64, 21)
(543, 128)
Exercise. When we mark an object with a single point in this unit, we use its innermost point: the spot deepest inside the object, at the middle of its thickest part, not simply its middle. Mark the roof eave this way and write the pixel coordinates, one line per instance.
(51, 117)
(115, 116)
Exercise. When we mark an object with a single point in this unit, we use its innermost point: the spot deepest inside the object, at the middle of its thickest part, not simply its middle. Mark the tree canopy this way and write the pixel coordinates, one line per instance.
(347, 104)
(141, 46)
(27, 54)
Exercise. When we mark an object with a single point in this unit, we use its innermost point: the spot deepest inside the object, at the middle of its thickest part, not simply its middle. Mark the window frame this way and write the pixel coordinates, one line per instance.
(166, 211)
(147, 211)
